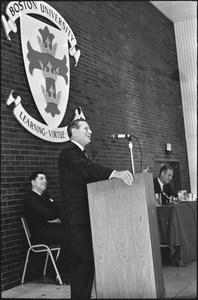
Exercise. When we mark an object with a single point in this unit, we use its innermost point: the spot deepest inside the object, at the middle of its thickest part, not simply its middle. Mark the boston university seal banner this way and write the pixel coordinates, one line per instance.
(46, 52)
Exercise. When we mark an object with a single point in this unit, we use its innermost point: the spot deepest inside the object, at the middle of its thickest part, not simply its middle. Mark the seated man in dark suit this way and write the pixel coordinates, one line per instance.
(162, 184)
(42, 215)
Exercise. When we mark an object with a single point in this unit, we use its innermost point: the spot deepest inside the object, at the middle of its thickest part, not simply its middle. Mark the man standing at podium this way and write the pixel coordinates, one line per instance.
(76, 170)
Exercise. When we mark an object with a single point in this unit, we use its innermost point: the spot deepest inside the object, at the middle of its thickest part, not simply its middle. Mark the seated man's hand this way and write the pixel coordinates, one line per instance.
(54, 221)
(126, 176)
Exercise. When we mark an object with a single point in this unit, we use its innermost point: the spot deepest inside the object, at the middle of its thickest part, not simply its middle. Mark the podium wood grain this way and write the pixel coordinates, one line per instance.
(126, 251)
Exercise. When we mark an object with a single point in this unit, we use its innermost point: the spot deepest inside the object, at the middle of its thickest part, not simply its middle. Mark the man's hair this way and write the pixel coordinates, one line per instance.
(74, 124)
(34, 175)
(165, 168)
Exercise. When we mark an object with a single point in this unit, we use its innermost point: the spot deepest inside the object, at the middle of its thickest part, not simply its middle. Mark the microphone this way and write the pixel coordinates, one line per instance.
(120, 136)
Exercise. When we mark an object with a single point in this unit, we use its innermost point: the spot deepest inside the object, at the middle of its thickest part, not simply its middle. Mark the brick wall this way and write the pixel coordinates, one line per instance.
(126, 81)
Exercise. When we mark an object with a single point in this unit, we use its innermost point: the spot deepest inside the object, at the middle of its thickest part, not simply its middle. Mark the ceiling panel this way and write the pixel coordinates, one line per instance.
(177, 11)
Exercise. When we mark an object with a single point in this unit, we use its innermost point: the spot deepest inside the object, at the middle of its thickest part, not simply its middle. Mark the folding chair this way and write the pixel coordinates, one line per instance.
(38, 248)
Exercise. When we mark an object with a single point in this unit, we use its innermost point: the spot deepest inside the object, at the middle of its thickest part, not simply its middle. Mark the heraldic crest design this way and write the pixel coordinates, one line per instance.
(46, 52)
(51, 68)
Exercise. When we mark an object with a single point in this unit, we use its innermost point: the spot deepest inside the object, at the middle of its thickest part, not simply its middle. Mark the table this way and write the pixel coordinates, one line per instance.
(178, 229)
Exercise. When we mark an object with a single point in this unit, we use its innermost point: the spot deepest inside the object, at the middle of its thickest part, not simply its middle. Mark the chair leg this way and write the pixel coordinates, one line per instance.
(25, 266)
(57, 273)
(57, 255)
(46, 261)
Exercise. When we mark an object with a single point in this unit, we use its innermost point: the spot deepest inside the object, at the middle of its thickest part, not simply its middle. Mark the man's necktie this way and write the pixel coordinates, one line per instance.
(166, 197)
(85, 153)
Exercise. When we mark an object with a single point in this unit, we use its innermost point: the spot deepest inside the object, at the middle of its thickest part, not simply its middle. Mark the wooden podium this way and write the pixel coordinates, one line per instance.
(125, 239)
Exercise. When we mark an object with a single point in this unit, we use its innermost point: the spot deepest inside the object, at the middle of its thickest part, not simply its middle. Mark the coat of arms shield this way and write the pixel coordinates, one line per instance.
(46, 60)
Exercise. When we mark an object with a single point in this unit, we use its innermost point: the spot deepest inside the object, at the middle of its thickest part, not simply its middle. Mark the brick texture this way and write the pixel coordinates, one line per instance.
(126, 81)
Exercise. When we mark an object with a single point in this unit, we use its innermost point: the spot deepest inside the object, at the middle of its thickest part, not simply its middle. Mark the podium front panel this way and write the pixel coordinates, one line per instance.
(123, 253)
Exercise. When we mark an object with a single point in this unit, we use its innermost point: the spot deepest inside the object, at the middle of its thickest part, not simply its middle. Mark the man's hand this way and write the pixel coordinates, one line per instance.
(54, 221)
(126, 176)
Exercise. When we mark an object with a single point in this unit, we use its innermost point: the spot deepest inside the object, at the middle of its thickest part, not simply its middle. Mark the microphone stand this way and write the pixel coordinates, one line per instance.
(131, 152)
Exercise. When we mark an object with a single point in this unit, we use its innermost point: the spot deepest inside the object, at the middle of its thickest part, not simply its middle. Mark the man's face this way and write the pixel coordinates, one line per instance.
(40, 183)
(166, 176)
(82, 135)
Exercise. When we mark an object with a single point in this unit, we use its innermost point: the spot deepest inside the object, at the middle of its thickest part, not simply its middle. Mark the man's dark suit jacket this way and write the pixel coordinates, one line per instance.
(75, 172)
(37, 211)
(168, 189)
